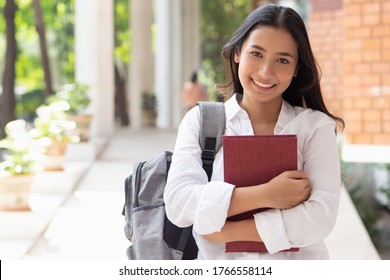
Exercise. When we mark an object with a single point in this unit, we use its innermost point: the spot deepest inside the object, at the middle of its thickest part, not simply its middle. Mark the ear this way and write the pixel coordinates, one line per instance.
(236, 57)
(296, 71)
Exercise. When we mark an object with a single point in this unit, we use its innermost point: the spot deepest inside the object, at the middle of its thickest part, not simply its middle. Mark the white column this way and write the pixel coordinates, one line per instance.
(178, 61)
(177, 54)
(163, 66)
(94, 46)
(191, 39)
(141, 66)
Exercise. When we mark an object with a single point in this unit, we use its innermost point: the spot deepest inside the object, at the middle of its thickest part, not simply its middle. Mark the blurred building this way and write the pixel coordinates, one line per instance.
(350, 38)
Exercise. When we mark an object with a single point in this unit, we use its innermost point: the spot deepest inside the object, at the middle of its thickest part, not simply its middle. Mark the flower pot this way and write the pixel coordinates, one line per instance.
(149, 117)
(15, 192)
(83, 123)
(54, 156)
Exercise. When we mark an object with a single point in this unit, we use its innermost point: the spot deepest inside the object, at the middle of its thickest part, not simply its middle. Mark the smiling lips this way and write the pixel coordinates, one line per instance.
(262, 85)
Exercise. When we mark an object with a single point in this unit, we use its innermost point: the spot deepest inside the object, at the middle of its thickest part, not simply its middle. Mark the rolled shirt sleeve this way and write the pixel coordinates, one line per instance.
(311, 221)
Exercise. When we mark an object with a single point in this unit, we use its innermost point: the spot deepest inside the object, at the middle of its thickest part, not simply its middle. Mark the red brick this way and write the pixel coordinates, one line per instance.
(353, 44)
(386, 127)
(371, 44)
(371, 19)
(372, 127)
(353, 126)
(353, 115)
(361, 138)
(353, 20)
(363, 32)
(371, 80)
(371, 55)
(371, 8)
(380, 67)
(386, 115)
(385, 55)
(362, 68)
(353, 56)
(380, 31)
(385, 79)
(371, 115)
(353, 80)
(380, 102)
(385, 17)
(381, 139)
(352, 9)
(363, 103)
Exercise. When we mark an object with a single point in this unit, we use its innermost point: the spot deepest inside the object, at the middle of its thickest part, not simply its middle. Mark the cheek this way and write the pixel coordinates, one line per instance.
(286, 75)
(247, 66)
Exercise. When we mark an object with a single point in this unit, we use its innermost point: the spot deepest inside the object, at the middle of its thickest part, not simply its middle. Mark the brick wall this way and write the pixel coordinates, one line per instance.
(326, 33)
(351, 41)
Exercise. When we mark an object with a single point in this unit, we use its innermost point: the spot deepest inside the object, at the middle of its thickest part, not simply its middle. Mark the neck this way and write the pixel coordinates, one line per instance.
(261, 113)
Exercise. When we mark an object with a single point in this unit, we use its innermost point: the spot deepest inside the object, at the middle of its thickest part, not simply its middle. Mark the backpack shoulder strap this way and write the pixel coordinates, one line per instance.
(212, 127)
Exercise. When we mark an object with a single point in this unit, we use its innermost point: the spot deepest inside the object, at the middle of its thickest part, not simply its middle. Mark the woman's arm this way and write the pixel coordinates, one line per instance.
(284, 191)
(311, 221)
(235, 231)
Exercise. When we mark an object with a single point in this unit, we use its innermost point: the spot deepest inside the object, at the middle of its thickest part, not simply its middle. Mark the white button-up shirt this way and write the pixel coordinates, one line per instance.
(192, 200)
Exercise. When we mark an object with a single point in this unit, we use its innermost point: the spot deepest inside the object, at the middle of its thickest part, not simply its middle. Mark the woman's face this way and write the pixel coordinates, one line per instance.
(267, 64)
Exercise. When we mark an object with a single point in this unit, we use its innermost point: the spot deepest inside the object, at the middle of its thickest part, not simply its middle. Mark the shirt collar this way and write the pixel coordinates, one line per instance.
(287, 112)
(286, 115)
(232, 106)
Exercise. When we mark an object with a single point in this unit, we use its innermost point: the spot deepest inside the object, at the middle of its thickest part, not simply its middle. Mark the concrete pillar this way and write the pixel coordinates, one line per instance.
(141, 66)
(94, 46)
(191, 40)
(163, 61)
(177, 54)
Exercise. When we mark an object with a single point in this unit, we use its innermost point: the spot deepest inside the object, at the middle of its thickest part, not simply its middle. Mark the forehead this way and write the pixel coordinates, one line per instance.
(272, 40)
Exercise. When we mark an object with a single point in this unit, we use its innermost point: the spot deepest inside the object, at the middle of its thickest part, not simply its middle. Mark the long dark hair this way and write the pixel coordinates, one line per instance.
(304, 90)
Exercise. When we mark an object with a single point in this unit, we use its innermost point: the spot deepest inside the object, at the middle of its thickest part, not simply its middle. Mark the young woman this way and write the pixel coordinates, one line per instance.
(275, 90)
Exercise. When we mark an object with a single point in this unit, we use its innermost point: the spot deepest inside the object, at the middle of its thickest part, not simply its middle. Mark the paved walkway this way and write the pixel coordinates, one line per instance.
(86, 222)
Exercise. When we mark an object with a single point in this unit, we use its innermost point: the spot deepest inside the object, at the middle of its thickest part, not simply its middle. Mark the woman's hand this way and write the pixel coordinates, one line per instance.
(284, 191)
(287, 189)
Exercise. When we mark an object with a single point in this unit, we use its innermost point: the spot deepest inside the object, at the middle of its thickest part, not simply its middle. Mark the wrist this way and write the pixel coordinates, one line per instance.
(263, 199)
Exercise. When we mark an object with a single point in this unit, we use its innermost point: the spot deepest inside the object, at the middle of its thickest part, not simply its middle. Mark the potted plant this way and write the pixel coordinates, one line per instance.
(19, 152)
(52, 126)
(76, 95)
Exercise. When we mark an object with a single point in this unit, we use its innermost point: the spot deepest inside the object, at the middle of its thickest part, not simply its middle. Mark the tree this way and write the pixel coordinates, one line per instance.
(122, 51)
(219, 20)
(40, 26)
(7, 99)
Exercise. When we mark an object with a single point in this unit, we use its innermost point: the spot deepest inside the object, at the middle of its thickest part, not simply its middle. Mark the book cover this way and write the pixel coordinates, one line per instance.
(254, 160)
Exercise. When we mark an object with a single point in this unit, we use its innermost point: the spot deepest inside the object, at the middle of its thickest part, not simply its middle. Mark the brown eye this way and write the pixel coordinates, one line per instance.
(283, 61)
(256, 54)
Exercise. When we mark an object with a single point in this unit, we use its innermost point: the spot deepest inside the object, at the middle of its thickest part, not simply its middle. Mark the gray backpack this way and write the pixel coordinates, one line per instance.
(152, 235)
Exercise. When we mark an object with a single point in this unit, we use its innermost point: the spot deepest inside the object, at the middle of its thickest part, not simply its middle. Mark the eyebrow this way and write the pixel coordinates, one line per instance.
(279, 53)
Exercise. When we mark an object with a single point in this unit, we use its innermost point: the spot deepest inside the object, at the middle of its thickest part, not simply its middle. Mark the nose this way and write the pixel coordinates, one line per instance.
(266, 69)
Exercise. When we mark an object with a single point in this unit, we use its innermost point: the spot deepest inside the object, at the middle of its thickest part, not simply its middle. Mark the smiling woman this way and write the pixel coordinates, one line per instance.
(274, 86)
(268, 62)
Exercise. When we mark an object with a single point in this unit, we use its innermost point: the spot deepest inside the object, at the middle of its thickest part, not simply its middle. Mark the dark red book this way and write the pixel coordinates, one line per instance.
(254, 160)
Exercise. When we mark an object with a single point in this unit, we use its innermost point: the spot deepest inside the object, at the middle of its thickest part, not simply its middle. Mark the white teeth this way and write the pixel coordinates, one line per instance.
(263, 85)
